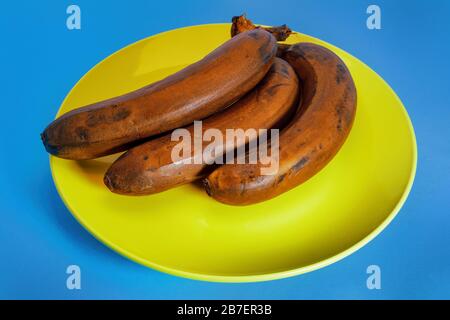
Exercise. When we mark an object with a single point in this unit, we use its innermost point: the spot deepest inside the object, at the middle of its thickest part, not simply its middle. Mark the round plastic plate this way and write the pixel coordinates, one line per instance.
(186, 233)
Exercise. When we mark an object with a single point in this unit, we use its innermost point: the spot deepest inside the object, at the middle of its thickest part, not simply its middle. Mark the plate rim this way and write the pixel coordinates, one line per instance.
(258, 277)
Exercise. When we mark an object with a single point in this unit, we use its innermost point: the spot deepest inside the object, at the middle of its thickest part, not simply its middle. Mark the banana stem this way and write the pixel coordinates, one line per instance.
(241, 24)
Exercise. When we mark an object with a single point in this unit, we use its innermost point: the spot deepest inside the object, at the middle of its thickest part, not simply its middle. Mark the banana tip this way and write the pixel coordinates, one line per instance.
(108, 182)
(207, 187)
(52, 149)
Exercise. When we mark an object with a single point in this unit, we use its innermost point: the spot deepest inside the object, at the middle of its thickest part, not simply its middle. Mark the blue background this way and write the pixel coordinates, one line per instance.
(41, 60)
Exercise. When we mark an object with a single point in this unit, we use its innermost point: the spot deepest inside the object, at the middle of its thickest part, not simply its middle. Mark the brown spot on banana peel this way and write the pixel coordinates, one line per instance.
(120, 115)
(254, 35)
(339, 114)
(266, 106)
(300, 164)
(199, 90)
(273, 89)
(82, 132)
(341, 71)
(117, 113)
(267, 51)
(284, 71)
(308, 142)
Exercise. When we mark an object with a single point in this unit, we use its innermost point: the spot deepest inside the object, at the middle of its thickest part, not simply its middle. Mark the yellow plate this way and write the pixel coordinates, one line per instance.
(185, 233)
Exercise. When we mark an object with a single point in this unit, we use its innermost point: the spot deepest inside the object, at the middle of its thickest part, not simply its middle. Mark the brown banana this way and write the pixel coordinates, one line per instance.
(149, 168)
(309, 142)
(197, 91)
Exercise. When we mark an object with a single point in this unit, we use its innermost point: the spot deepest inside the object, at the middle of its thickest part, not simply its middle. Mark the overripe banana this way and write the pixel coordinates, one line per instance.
(195, 92)
(309, 142)
(149, 168)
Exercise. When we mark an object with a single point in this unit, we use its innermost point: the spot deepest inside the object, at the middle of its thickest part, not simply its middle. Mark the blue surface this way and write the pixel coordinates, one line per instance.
(41, 60)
